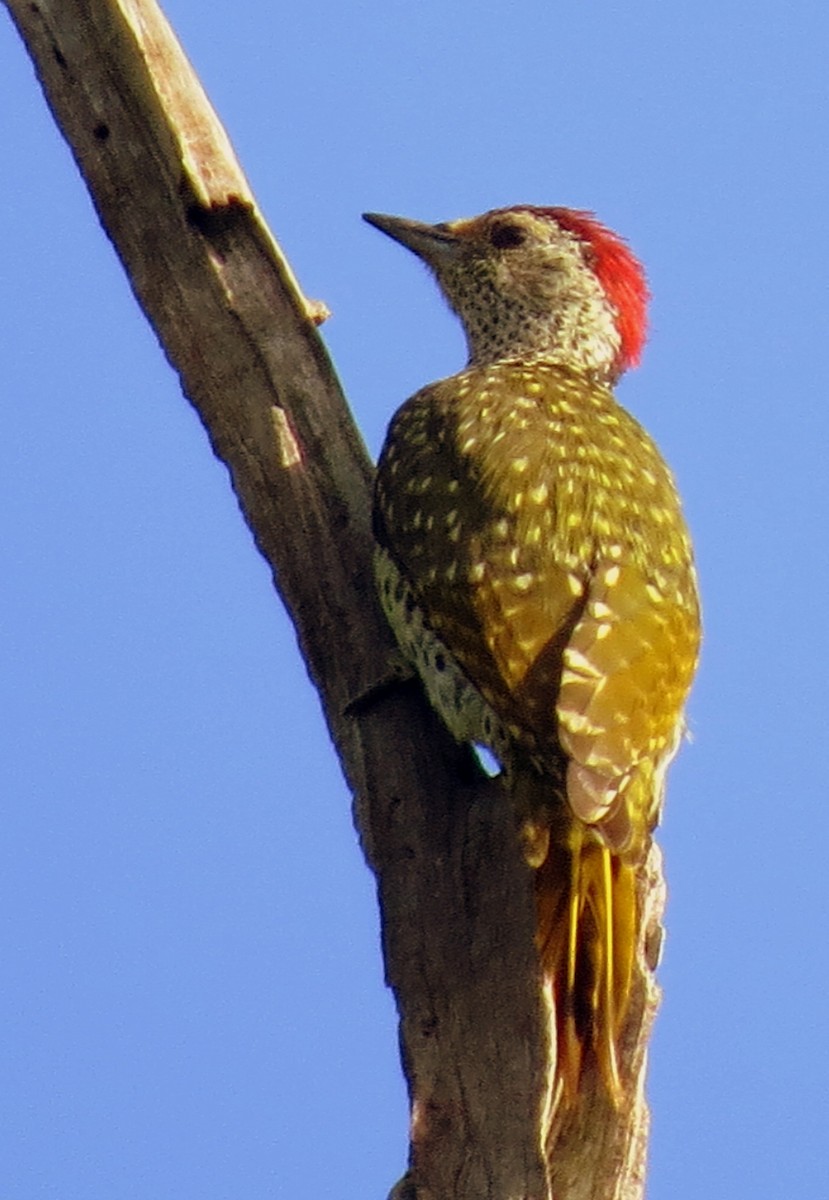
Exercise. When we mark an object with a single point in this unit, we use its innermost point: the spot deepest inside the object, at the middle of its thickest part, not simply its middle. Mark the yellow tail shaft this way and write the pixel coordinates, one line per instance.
(586, 934)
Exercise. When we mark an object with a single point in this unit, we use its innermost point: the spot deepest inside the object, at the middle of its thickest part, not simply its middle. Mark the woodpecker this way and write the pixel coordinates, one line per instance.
(535, 567)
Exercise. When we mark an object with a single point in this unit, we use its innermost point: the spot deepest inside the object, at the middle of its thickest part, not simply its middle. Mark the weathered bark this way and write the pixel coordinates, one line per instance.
(455, 896)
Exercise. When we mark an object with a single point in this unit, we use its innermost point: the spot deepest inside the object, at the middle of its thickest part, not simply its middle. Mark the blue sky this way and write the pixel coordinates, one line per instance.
(193, 1001)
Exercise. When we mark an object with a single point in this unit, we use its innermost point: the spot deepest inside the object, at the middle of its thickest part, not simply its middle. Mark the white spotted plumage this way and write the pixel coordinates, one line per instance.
(535, 567)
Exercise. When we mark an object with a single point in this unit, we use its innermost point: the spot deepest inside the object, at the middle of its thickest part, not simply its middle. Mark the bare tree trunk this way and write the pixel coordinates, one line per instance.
(456, 899)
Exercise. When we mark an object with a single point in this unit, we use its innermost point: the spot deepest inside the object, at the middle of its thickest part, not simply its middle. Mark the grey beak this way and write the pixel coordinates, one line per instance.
(429, 242)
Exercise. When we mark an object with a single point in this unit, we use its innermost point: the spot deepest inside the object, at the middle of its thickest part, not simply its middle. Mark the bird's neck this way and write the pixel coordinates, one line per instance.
(581, 335)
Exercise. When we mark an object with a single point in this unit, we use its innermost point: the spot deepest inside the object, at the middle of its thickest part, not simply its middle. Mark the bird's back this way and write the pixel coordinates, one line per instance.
(521, 502)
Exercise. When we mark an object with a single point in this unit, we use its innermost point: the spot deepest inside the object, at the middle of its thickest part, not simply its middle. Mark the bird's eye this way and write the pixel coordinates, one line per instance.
(506, 236)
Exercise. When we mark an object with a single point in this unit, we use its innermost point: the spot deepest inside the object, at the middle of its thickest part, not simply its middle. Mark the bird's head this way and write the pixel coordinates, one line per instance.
(529, 281)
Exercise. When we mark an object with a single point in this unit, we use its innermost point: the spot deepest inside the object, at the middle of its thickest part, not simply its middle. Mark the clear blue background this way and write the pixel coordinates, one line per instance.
(192, 1001)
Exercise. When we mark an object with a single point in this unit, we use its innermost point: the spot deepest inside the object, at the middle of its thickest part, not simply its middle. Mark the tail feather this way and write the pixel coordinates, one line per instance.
(586, 934)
